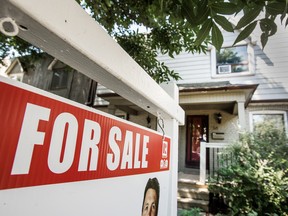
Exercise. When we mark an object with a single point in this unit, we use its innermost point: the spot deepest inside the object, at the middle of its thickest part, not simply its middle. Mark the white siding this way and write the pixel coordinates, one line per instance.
(192, 68)
(271, 67)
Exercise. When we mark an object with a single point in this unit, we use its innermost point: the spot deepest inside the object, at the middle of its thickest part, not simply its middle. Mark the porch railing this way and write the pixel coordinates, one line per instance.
(214, 160)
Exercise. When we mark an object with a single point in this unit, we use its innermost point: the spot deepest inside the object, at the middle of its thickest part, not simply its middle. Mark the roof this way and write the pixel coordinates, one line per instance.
(214, 86)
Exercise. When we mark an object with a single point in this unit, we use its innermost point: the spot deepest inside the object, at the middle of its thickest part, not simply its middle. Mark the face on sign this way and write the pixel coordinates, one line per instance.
(151, 198)
(150, 203)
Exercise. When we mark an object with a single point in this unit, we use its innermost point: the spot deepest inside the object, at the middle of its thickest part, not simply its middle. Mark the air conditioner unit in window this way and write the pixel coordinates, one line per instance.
(224, 69)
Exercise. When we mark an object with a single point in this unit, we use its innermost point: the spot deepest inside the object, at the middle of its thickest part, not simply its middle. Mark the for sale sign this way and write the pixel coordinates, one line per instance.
(48, 143)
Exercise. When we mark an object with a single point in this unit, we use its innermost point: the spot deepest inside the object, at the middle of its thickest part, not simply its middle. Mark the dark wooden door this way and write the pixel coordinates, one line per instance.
(197, 131)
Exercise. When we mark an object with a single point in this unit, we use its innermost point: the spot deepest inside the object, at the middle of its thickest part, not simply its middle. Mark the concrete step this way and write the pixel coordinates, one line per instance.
(192, 189)
(194, 193)
(188, 203)
(188, 183)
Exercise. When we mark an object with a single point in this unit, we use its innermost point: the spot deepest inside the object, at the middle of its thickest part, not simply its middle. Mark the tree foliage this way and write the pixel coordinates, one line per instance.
(172, 26)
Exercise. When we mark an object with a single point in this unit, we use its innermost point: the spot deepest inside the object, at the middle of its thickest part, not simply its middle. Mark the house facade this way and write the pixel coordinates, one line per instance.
(49, 74)
(227, 92)
(222, 93)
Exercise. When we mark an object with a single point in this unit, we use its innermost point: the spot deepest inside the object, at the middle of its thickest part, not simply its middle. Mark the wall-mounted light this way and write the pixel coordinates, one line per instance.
(218, 117)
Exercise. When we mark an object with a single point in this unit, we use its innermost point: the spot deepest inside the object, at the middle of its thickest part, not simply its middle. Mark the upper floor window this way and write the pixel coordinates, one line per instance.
(232, 61)
(275, 119)
(59, 79)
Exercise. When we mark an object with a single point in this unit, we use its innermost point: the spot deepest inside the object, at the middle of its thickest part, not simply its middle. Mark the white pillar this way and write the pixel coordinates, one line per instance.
(241, 115)
(171, 128)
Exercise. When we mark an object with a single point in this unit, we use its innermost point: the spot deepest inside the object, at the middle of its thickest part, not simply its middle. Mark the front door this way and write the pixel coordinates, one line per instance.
(197, 131)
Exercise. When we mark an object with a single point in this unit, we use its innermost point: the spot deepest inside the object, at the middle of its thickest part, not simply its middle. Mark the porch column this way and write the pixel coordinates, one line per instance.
(241, 115)
(171, 128)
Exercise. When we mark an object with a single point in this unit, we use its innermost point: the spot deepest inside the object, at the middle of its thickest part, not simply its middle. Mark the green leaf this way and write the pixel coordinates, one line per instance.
(284, 12)
(224, 8)
(248, 18)
(275, 8)
(203, 15)
(264, 39)
(203, 32)
(195, 14)
(245, 32)
(217, 37)
(187, 11)
(224, 23)
(268, 26)
(108, 3)
(161, 4)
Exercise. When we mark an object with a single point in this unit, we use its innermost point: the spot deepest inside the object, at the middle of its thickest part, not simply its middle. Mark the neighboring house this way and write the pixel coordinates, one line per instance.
(53, 76)
(3, 66)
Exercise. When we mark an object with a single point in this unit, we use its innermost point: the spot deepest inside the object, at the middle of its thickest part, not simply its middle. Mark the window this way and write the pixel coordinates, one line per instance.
(232, 61)
(235, 59)
(276, 118)
(59, 79)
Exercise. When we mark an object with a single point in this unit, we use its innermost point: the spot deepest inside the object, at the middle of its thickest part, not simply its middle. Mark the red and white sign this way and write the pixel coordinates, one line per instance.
(46, 141)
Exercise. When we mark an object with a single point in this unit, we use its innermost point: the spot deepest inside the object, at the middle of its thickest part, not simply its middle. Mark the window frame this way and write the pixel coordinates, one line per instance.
(53, 88)
(267, 112)
(251, 63)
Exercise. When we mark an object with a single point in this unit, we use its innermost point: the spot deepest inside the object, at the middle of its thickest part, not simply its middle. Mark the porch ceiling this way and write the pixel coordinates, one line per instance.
(227, 107)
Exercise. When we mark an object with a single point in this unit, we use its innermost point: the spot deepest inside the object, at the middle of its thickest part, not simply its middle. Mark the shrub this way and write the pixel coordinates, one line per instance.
(191, 212)
(255, 182)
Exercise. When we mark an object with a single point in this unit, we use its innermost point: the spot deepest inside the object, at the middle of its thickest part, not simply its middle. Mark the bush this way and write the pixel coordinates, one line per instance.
(191, 212)
(255, 182)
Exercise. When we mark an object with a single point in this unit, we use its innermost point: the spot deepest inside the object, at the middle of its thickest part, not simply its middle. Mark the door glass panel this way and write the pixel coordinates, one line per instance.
(197, 131)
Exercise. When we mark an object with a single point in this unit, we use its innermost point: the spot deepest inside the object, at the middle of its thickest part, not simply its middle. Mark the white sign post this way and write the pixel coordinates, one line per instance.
(171, 127)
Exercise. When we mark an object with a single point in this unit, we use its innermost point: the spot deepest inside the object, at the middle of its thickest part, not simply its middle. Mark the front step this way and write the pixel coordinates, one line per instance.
(188, 203)
(192, 194)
